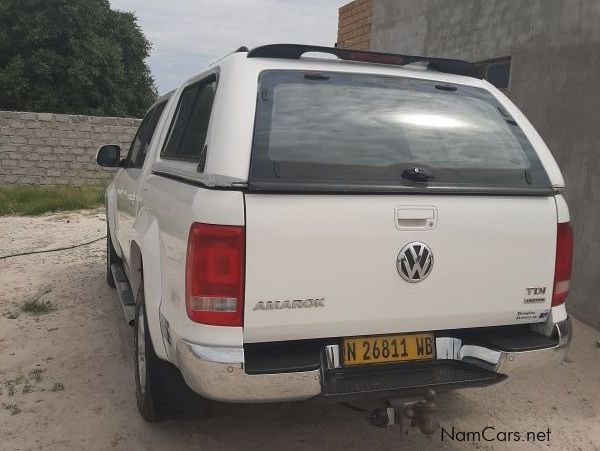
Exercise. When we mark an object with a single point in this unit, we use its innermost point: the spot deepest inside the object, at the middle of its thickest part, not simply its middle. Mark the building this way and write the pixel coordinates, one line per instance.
(545, 55)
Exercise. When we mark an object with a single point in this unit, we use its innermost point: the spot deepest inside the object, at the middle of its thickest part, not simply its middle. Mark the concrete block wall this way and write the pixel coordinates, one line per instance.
(555, 65)
(354, 25)
(58, 149)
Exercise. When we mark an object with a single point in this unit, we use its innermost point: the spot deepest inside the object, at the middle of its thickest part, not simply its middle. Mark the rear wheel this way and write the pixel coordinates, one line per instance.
(161, 392)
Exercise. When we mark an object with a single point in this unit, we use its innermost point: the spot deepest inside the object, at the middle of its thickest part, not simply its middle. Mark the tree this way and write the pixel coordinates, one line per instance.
(73, 56)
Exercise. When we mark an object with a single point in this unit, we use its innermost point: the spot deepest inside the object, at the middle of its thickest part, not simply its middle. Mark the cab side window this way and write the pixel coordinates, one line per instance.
(187, 134)
(143, 138)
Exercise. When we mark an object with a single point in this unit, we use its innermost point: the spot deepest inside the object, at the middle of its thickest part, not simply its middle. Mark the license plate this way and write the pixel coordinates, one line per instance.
(388, 349)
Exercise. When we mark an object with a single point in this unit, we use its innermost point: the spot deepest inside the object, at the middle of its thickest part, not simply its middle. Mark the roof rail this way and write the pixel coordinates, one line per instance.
(241, 49)
(295, 51)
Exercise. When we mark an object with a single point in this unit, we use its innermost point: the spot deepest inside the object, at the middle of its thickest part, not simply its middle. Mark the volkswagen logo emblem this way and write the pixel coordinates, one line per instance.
(415, 262)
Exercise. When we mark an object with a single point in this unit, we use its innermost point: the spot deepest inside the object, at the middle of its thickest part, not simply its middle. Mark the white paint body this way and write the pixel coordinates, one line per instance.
(488, 249)
(344, 249)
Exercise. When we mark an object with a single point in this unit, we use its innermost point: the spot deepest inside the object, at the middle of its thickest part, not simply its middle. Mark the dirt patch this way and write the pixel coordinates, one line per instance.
(66, 374)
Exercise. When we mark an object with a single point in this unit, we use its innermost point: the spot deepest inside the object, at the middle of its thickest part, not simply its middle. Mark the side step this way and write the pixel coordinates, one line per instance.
(124, 292)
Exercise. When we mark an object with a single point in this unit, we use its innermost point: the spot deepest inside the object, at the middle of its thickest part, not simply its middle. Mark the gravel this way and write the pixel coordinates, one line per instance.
(71, 373)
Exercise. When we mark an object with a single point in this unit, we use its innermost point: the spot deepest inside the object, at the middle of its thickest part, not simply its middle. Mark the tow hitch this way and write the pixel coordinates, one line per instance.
(421, 414)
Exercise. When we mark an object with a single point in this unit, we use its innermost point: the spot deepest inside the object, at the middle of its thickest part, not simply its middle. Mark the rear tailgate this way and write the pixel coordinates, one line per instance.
(487, 251)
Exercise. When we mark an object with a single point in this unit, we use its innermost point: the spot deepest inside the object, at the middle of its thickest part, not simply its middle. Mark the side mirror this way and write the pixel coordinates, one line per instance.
(109, 156)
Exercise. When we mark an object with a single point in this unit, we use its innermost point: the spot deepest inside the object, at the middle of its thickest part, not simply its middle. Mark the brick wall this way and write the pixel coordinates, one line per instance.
(354, 25)
(58, 149)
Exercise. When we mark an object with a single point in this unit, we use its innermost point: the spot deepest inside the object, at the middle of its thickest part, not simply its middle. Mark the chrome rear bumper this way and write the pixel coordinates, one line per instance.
(218, 373)
(507, 362)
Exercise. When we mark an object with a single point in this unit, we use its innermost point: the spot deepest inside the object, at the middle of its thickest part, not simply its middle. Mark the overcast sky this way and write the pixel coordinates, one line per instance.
(188, 34)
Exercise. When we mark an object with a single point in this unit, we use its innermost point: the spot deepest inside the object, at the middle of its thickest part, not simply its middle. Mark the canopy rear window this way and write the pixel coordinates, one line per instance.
(338, 131)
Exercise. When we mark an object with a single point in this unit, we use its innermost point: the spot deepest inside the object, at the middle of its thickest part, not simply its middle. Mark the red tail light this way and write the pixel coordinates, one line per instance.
(564, 259)
(376, 58)
(214, 277)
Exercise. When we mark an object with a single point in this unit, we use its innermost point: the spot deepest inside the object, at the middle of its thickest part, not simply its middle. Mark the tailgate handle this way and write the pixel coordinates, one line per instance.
(415, 218)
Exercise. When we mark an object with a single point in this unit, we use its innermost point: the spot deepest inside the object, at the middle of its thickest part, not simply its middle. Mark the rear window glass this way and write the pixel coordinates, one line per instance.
(338, 131)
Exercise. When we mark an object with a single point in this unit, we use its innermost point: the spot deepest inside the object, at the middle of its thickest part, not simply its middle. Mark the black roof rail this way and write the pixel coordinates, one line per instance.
(295, 51)
(241, 49)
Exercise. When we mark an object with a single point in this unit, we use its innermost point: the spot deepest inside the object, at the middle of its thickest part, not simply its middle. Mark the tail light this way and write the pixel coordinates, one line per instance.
(564, 259)
(214, 276)
(381, 58)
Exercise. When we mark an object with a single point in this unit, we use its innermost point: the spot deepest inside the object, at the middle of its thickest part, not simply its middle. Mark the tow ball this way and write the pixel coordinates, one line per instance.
(420, 414)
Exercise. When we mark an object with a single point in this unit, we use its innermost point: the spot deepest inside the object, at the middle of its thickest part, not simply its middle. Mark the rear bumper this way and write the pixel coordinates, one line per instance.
(219, 373)
(511, 362)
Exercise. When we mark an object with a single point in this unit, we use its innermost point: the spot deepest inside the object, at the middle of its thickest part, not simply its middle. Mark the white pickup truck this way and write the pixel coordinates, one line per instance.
(291, 225)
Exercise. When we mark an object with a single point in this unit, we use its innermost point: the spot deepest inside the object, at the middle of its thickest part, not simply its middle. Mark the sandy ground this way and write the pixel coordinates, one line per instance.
(66, 377)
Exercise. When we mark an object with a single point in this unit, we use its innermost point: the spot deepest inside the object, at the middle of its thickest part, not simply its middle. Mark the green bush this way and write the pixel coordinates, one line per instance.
(35, 200)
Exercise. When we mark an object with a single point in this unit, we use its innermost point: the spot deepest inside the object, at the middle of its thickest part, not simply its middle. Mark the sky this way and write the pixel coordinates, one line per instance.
(187, 35)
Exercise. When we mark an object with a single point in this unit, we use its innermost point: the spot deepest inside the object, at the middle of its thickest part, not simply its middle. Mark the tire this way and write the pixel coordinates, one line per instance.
(111, 257)
(161, 392)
